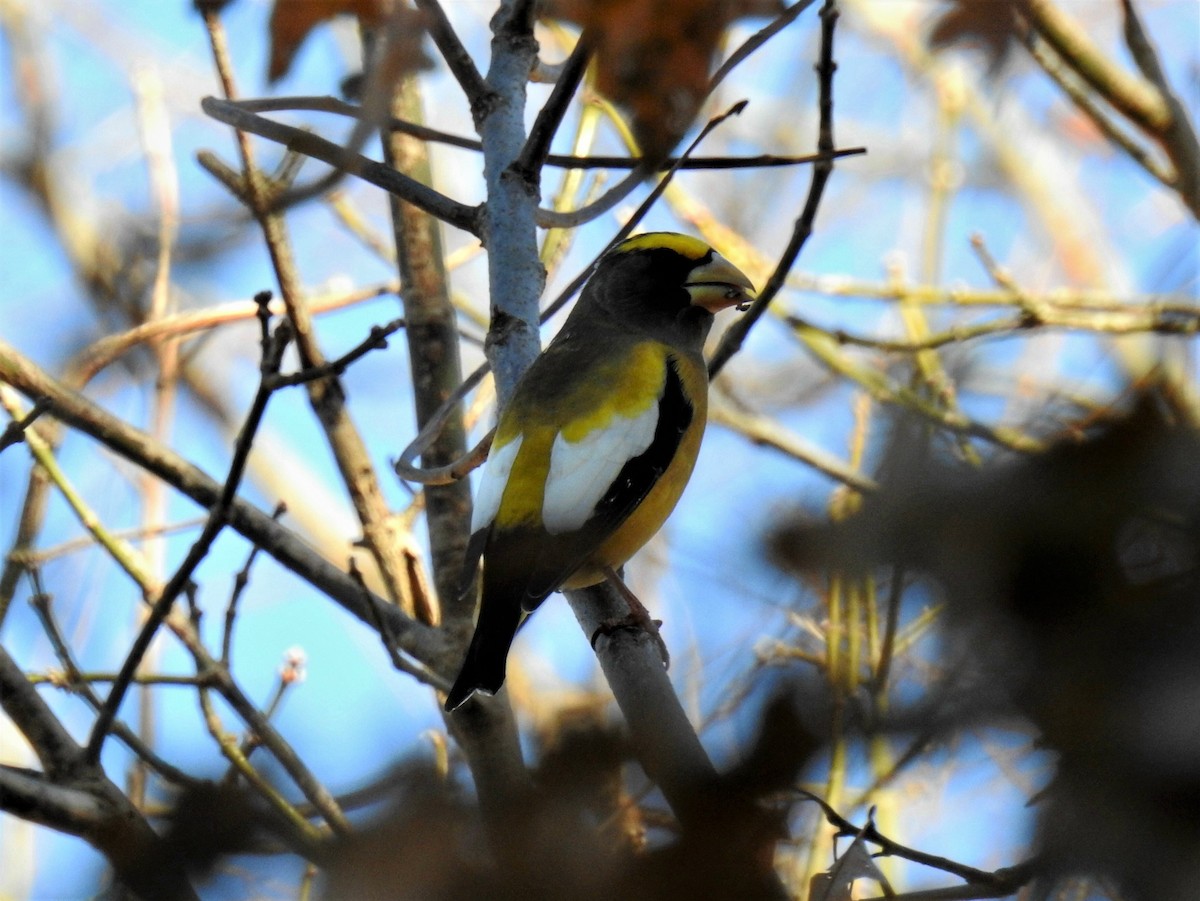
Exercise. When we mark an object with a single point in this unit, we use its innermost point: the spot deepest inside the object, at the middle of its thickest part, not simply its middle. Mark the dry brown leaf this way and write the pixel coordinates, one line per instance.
(654, 57)
(292, 20)
(990, 26)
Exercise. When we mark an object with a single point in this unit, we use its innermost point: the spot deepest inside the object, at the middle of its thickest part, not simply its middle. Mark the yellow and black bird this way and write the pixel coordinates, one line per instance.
(599, 438)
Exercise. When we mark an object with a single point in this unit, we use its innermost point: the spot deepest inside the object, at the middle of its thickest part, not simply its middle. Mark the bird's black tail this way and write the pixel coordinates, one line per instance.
(484, 666)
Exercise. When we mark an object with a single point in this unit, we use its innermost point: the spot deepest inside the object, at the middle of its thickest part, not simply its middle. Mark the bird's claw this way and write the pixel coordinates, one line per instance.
(637, 623)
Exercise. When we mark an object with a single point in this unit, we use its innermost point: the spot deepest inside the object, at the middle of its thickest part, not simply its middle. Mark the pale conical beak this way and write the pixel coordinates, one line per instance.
(719, 284)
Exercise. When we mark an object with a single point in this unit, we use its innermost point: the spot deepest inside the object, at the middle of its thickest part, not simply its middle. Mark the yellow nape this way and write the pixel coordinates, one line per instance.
(684, 245)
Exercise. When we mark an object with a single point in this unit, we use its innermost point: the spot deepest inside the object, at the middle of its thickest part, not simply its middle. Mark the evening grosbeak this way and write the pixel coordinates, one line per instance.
(598, 439)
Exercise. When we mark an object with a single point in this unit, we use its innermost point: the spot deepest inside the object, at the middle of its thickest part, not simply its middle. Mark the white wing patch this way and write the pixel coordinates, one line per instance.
(492, 481)
(582, 471)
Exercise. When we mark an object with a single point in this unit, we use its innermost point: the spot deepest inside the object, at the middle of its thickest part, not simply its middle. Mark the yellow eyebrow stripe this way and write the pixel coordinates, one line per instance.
(684, 245)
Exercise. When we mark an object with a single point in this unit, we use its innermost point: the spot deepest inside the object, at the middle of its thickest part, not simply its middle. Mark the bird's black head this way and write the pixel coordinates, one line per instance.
(663, 280)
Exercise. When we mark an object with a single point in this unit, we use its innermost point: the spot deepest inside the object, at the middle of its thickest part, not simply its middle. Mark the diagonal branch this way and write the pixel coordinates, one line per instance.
(1178, 136)
(479, 94)
(14, 431)
(668, 748)
(78, 684)
(276, 539)
(1134, 97)
(29, 712)
(60, 797)
(573, 218)
(94, 809)
(732, 340)
(1007, 880)
(218, 518)
(1084, 99)
(383, 536)
(550, 116)
(756, 40)
(298, 141)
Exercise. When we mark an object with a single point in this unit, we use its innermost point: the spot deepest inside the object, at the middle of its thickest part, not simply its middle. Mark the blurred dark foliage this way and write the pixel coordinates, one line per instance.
(577, 834)
(207, 823)
(214, 819)
(1072, 581)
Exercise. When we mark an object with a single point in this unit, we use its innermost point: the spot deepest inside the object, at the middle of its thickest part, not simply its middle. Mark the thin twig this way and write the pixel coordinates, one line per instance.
(335, 106)
(1178, 136)
(79, 682)
(240, 581)
(273, 347)
(756, 40)
(418, 672)
(479, 93)
(732, 340)
(15, 430)
(1068, 300)
(67, 682)
(1010, 877)
(376, 340)
(120, 551)
(220, 679)
(304, 832)
(640, 213)
(550, 116)
(1074, 88)
(405, 466)
(1133, 96)
(608, 200)
(82, 414)
(883, 666)
(291, 672)
(767, 432)
(110, 348)
(879, 385)
(155, 134)
(1134, 322)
